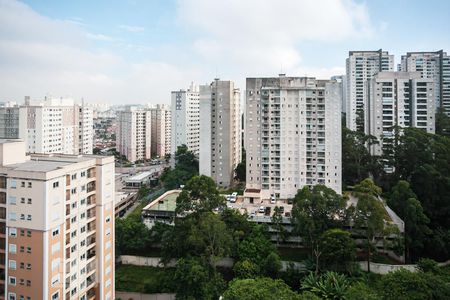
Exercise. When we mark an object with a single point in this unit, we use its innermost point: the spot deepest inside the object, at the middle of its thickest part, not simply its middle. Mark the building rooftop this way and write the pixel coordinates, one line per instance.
(166, 202)
(139, 176)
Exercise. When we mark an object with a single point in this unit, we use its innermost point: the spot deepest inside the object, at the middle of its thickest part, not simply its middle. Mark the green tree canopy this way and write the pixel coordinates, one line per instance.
(260, 289)
(186, 167)
(339, 250)
(200, 194)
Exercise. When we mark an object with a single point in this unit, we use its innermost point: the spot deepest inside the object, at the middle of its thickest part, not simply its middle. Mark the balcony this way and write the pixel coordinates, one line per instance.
(91, 173)
(2, 213)
(91, 213)
(91, 266)
(67, 195)
(90, 187)
(2, 198)
(91, 200)
(90, 253)
(2, 228)
(91, 293)
(2, 182)
(67, 180)
(90, 240)
(91, 226)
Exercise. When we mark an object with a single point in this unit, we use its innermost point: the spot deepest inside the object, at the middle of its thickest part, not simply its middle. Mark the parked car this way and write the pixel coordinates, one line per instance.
(262, 209)
(272, 199)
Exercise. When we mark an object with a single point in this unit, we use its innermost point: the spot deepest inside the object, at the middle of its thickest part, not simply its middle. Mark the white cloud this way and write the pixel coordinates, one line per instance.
(129, 28)
(260, 35)
(99, 37)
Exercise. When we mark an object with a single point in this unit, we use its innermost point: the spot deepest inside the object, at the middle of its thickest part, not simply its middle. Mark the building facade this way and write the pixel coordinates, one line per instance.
(185, 127)
(360, 67)
(293, 135)
(342, 79)
(134, 131)
(403, 99)
(161, 130)
(433, 65)
(220, 131)
(56, 225)
(49, 126)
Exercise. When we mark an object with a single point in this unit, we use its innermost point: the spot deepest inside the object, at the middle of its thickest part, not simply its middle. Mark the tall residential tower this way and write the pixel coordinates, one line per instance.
(433, 65)
(185, 119)
(56, 225)
(293, 135)
(361, 66)
(220, 131)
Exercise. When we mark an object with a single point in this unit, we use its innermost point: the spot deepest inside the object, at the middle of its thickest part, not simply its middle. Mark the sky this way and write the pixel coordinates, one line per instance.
(130, 51)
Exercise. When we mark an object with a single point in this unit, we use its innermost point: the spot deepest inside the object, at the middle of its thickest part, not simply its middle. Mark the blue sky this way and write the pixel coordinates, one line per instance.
(138, 51)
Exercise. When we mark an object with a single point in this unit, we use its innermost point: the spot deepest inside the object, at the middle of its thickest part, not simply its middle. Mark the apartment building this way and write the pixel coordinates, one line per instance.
(161, 130)
(185, 119)
(56, 225)
(403, 99)
(134, 133)
(360, 67)
(433, 65)
(342, 79)
(293, 135)
(49, 126)
(220, 131)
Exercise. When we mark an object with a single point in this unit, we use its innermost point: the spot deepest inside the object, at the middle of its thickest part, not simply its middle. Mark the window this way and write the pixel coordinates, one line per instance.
(29, 201)
(55, 184)
(12, 248)
(28, 266)
(28, 282)
(13, 184)
(74, 176)
(55, 296)
(83, 174)
(12, 280)
(12, 216)
(22, 249)
(28, 249)
(12, 200)
(22, 200)
(22, 265)
(55, 232)
(12, 296)
(28, 217)
(28, 233)
(22, 216)
(108, 219)
(22, 184)
(13, 232)
(12, 264)
(30, 185)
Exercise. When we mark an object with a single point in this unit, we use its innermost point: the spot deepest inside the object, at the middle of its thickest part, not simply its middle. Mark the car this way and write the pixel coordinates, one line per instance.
(234, 194)
(262, 209)
(232, 199)
(228, 197)
(272, 199)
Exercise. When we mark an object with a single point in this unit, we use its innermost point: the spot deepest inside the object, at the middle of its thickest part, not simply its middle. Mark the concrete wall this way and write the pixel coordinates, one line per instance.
(138, 296)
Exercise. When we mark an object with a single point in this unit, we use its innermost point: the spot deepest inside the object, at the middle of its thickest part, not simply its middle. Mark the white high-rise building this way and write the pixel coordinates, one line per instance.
(220, 131)
(161, 130)
(433, 65)
(56, 126)
(293, 135)
(342, 79)
(185, 119)
(134, 133)
(401, 99)
(360, 67)
(56, 225)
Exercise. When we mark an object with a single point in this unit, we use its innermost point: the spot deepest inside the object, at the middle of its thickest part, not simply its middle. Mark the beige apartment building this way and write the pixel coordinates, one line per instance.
(220, 131)
(185, 129)
(56, 125)
(161, 130)
(134, 132)
(56, 225)
(403, 99)
(293, 135)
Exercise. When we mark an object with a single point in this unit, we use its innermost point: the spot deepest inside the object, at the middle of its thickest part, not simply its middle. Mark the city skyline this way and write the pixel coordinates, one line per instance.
(137, 52)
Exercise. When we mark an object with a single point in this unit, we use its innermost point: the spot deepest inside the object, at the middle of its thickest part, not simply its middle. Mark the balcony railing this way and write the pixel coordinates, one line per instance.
(2, 182)
(2, 198)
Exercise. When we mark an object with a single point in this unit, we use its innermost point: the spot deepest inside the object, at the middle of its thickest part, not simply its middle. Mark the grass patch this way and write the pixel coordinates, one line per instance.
(293, 254)
(147, 280)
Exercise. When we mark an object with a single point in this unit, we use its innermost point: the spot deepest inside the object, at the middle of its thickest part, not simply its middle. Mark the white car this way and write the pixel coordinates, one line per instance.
(272, 199)
(262, 209)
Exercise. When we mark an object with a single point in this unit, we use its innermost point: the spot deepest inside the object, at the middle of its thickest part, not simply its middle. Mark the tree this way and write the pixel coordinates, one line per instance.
(240, 171)
(132, 236)
(404, 285)
(193, 280)
(315, 211)
(272, 265)
(329, 285)
(369, 215)
(361, 291)
(260, 289)
(209, 238)
(404, 202)
(186, 167)
(277, 220)
(357, 163)
(199, 195)
(339, 250)
(442, 122)
(246, 269)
